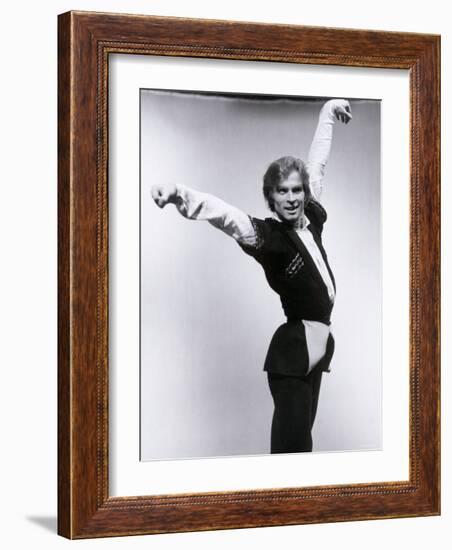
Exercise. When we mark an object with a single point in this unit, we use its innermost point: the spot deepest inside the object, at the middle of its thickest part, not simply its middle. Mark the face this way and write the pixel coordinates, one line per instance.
(288, 199)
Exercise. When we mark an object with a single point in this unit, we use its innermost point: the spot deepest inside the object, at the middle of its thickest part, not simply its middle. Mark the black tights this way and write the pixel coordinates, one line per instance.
(295, 400)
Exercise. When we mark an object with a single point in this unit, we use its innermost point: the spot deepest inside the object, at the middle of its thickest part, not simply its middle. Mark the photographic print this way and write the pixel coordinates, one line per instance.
(260, 274)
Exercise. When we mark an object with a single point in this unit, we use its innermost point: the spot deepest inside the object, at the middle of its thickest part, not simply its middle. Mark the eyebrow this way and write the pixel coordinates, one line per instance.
(282, 187)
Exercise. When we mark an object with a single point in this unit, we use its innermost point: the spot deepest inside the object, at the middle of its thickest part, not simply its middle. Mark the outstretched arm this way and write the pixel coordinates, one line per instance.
(196, 205)
(335, 109)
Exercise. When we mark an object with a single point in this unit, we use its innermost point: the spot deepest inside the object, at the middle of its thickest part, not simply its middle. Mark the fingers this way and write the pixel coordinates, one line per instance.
(347, 113)
(343, 111)
(343, 117)
(157, 193)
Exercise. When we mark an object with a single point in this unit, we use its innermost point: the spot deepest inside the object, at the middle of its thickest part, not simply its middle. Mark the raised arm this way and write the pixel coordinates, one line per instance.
(335, 109)
(195, 205)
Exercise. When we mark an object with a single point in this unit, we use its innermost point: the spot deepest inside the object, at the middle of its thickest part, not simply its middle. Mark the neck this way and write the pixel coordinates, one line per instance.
(299, 223)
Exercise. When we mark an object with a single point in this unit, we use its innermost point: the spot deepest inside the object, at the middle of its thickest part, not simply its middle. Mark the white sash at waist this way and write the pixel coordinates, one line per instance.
(317, 334)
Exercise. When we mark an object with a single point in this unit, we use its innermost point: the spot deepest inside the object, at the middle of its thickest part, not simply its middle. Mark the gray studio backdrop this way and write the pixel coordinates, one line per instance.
(207, 312)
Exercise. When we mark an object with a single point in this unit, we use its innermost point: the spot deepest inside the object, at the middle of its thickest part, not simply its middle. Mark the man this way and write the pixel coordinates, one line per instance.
(289, 249)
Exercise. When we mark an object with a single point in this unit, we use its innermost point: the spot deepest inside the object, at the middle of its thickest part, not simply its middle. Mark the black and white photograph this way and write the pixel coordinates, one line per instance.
(260, 281)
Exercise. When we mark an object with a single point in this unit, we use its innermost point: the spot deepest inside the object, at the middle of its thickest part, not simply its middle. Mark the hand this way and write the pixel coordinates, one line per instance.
(163, 194)
(340, 108)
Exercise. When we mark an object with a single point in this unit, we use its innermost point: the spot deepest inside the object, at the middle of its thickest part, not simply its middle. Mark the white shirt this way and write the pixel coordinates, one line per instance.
(311, 246)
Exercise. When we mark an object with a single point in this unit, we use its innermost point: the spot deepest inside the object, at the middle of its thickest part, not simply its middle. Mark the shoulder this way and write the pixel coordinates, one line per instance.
(265, 231)
(316, 213)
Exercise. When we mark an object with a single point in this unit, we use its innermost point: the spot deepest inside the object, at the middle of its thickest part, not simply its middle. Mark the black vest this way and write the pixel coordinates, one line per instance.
(293, 275)
(290, 269)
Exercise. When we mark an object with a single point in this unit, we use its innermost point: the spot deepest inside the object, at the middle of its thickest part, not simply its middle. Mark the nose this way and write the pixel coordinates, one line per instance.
(290, 197)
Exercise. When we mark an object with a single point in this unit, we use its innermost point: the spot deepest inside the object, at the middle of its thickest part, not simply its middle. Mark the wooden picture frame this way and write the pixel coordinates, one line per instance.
(85, 42)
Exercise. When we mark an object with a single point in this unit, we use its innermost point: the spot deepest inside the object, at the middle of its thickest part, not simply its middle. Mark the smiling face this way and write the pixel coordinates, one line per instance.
(288, 199)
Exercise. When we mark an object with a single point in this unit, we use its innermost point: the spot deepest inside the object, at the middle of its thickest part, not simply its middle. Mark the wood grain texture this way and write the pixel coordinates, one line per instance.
(85, 42)
(64, 294)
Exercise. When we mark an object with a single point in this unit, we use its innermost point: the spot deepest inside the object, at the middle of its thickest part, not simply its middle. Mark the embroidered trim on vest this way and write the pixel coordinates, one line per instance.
(255, 241)
(295, 265)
